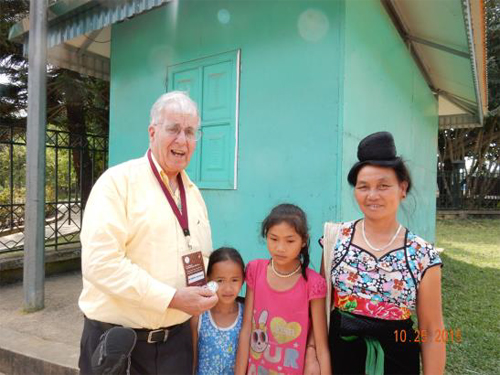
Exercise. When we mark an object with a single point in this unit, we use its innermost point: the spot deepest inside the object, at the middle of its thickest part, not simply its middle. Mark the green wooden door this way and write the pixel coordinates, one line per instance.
(212, 83)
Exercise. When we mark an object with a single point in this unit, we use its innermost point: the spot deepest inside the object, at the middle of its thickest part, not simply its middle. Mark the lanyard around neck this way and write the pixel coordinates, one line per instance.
(182, 217)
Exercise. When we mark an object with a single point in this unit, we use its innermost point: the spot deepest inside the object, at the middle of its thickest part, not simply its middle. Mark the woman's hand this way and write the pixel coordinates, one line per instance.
(430, 320)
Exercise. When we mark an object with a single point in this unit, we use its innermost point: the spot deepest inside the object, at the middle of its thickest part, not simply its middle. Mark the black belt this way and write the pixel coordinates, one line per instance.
(151, 336)
(347, 324)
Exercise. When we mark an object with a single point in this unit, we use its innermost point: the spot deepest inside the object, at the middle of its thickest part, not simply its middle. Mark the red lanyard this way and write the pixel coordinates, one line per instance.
(182, 218)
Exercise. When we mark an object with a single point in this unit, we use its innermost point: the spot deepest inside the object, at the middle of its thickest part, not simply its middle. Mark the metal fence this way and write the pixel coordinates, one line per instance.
(459, 191)
(73, 164)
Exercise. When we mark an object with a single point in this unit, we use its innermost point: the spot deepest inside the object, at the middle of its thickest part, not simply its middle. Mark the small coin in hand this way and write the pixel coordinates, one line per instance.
(213, 286)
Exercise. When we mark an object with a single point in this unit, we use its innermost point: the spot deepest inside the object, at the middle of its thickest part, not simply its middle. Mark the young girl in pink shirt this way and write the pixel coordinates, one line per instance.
(284, 300)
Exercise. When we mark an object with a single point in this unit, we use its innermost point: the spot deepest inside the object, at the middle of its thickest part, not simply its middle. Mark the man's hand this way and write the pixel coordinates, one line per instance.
(193, 300)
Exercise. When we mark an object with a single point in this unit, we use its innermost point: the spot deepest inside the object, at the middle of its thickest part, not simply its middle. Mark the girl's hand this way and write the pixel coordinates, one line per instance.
(243, 351)
(311, 365)
(194, 331)
(320, 331)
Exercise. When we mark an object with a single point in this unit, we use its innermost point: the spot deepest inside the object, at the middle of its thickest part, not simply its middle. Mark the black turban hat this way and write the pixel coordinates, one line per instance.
(376, 149)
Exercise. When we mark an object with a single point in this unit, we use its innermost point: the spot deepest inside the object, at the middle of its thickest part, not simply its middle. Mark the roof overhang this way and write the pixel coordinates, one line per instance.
(79, 32)
(452, 59)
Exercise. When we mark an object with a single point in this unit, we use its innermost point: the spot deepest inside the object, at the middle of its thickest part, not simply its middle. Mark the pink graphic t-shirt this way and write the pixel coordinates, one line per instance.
(280, 321)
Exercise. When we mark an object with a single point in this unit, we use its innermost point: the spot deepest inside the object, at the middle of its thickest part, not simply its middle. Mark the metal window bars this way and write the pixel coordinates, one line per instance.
(71, 160)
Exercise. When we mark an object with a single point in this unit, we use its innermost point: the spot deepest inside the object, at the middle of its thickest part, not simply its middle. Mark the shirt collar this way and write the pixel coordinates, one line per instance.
(185, 178)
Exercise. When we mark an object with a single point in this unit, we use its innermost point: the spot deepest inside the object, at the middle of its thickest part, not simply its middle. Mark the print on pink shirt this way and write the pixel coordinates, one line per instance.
(259, 338)
(282, 332)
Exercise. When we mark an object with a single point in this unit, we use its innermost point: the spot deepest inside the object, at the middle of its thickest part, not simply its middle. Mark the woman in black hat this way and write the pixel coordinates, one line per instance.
(380, 273)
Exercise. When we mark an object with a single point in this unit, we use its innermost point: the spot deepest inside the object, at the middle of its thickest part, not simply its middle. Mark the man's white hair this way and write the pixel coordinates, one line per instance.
(176, 101)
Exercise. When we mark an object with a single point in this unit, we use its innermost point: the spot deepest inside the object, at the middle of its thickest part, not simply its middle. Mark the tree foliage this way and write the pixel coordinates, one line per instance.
(480, 147)
(493, 25)
(14, 93)
(75, 103)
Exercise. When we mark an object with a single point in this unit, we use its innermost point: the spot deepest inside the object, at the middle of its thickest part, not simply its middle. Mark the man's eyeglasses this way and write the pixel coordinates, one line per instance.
(191, 134)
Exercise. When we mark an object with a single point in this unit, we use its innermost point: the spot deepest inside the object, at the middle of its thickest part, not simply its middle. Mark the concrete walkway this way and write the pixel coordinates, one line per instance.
(44, 342)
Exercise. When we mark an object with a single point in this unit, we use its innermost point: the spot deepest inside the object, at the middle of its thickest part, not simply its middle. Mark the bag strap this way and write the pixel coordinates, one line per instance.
(331, 234)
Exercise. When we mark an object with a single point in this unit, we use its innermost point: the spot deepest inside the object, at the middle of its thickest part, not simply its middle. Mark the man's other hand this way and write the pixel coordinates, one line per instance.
(193, 300)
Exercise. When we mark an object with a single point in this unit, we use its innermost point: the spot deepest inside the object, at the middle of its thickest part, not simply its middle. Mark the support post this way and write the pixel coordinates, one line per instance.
(34, 231)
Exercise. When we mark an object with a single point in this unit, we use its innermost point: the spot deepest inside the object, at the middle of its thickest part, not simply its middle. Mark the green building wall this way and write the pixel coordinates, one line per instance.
(288, 111)
(297, 93)
(383, 89)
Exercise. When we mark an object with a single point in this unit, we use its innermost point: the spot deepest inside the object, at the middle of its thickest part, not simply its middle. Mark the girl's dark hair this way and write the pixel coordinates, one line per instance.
(297, 219)
(225, 253)
(397, 165)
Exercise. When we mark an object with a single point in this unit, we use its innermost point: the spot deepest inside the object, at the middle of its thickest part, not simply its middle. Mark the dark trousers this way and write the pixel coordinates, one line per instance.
(174, 356)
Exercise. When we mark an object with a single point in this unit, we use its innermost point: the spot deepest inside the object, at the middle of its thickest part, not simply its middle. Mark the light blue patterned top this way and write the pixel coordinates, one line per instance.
(217, 346)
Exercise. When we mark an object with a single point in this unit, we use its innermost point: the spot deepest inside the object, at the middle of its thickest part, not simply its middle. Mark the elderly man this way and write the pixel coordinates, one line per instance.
(145, 238)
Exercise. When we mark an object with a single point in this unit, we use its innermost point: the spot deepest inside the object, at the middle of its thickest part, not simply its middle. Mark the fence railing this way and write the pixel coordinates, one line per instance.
(458, 190)
(73, 164)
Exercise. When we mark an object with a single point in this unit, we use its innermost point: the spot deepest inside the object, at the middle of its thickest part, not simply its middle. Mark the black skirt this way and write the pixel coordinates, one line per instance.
(396, 337)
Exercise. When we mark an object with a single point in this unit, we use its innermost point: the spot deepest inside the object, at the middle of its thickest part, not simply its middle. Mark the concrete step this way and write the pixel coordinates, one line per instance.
(45, 342)
(22, 354)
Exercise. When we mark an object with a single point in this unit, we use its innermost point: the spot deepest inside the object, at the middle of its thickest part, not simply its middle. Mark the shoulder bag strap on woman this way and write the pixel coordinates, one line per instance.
(330, 234)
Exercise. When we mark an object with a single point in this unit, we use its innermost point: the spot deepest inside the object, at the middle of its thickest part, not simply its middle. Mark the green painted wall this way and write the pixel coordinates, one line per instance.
(384, 90)
(300, 85)
(289, 102)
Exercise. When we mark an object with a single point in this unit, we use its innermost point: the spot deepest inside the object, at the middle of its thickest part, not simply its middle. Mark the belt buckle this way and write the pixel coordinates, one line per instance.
(151, 333)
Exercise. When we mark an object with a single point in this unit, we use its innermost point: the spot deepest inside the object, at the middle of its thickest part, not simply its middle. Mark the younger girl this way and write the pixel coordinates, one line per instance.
(282, 295)
(215, 332)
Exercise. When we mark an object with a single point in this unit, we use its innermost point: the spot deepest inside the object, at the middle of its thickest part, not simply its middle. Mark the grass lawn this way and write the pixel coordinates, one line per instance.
(471, 293)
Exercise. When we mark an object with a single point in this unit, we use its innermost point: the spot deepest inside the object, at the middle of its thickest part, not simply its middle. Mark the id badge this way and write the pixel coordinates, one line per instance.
(194, 269)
